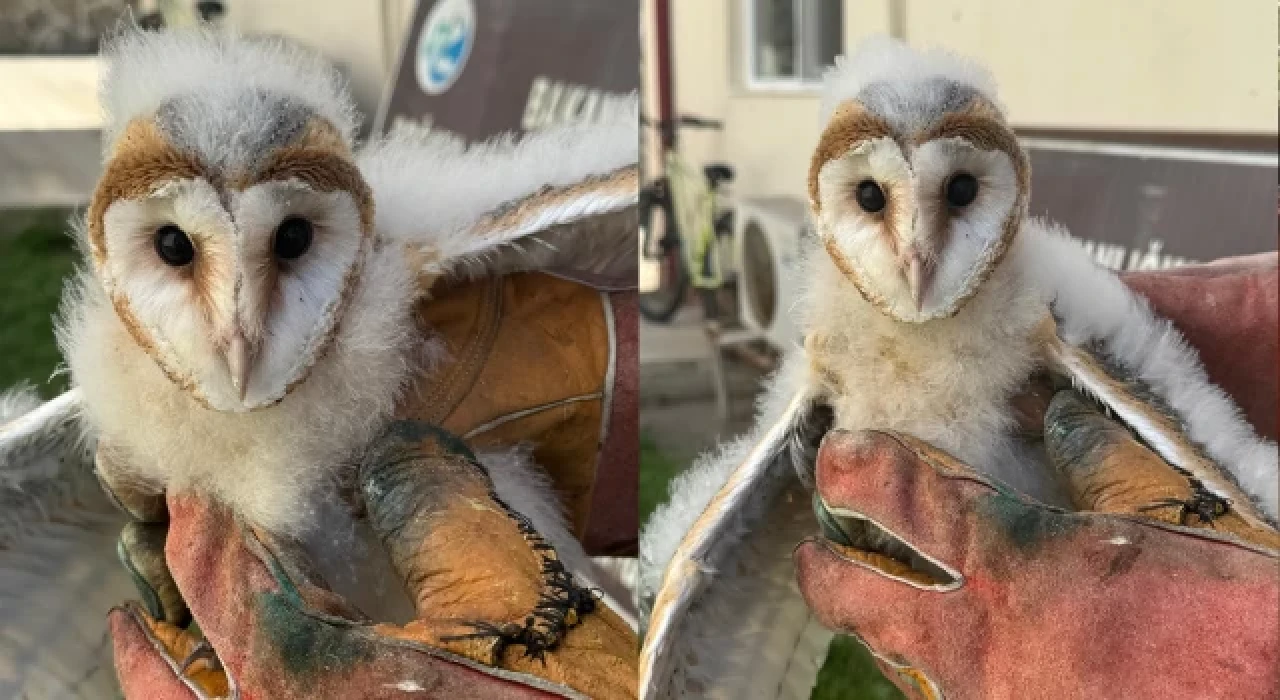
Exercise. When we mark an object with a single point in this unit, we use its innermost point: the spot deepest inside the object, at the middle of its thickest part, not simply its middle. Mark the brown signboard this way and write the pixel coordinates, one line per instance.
(1143, 206)
(482, 67)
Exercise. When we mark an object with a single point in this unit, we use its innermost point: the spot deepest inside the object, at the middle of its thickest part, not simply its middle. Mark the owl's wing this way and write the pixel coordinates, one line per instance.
(1154, 421)
(562, 200)
(31, 430)
(727, 619)
(1112, 346)
(58, 571)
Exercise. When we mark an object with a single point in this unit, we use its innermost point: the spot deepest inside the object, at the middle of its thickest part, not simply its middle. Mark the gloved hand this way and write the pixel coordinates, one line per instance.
(995, 596)
(1025, 601)
(497, 615)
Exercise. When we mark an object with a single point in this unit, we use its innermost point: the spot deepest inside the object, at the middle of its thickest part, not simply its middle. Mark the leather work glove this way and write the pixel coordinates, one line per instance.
(497, 615)
(1031, 602)
(996, 596)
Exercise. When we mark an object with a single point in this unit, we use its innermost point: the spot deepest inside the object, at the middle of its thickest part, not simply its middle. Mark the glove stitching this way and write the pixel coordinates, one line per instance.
(561, 605)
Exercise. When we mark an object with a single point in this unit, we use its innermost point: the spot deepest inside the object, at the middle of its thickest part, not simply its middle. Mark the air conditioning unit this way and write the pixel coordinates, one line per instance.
(769, 233)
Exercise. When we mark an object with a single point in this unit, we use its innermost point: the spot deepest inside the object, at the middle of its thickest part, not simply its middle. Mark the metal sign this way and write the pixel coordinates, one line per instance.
(1144, 207)
(482, 67)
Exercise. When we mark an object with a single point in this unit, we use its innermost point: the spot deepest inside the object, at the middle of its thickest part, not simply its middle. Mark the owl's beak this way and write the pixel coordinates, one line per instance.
(916, 271)
(238, 363)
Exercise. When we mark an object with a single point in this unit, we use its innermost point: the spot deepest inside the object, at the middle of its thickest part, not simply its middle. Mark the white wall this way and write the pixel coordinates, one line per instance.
(1161, 65)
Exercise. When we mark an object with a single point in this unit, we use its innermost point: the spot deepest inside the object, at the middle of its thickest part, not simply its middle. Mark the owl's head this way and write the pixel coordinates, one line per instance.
(230, 222)
(918, 184)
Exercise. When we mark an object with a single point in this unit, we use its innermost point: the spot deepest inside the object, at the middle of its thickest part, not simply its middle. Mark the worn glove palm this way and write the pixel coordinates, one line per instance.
(497, 616)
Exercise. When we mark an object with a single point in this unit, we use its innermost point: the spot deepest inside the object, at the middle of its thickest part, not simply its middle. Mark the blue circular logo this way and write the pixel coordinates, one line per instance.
(444, 44)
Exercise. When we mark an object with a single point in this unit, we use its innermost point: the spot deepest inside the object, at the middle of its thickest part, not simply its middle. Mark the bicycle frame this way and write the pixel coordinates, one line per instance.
(691, 248)
(694, 205)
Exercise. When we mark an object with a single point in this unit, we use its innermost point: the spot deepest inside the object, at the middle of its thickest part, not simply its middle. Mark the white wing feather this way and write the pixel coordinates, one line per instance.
(464, 207)
(58, 571)
(727, 619)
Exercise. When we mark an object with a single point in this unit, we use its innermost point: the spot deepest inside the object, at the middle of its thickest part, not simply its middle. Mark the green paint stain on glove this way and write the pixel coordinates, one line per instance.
(1027, 526)
(308, 646)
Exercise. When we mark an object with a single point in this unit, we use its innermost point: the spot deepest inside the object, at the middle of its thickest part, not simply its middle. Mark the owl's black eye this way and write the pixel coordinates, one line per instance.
(870, 196)
(962, 189)
(173, 246)
(293, 237)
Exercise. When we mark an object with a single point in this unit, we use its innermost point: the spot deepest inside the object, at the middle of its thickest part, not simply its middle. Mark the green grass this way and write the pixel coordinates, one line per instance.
(656, 471)
(34, 261)
(849, 672)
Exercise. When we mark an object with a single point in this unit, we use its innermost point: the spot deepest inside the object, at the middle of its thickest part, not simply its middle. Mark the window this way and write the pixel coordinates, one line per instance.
(790, 42)
(57, 28)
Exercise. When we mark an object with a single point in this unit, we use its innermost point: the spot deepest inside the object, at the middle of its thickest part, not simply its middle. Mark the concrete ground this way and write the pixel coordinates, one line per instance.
(677, 398)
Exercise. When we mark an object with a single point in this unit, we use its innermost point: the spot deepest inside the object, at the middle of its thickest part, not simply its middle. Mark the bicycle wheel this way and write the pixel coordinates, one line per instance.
(656, 222)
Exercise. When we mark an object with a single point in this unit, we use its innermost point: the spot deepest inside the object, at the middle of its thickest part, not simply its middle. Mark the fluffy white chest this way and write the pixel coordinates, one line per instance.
(948, 381)
(272, 464)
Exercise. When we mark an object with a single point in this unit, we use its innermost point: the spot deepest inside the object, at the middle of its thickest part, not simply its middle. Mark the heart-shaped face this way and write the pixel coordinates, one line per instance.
(231, 271)
(917, 190)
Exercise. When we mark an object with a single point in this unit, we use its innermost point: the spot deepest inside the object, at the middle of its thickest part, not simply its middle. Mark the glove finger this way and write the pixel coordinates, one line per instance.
(275, 641)
(1107, 470)
(209, 555)
(147, 654)
(898, 497)
(850, 595)
(218, 563)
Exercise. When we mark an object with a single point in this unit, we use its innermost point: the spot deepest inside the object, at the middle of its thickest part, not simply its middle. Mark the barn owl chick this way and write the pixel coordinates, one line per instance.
(932, 300)
(933, 286)
(235, 309)
(247, 322)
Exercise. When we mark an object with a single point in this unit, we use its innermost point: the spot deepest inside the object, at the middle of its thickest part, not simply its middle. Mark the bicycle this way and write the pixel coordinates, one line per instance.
(695, 224)
(203, 11)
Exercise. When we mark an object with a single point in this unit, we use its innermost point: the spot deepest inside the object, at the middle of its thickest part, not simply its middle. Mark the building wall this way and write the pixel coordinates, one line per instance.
(1162, 65)
(363, 36)
(1151, 65)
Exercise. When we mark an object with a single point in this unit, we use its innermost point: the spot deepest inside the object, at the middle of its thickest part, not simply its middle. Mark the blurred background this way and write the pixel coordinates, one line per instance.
(473, 68)
(1151, 126)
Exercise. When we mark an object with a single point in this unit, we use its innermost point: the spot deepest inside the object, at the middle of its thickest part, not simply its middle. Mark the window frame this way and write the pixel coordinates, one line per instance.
(753, 82)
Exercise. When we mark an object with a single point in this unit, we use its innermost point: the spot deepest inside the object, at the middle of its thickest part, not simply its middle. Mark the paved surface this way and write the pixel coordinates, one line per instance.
(47, 168)
(677, 398)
